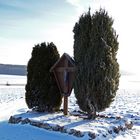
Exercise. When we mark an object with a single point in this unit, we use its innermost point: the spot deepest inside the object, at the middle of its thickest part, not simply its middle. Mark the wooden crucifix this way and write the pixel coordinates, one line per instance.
(64, 71)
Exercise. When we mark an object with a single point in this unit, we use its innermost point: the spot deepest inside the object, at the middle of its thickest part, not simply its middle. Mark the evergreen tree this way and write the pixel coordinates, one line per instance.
(95, 49)
(42, 92)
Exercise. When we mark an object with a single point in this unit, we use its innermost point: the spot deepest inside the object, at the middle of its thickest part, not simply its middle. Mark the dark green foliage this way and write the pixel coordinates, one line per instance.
(42, 92)
(95, 49)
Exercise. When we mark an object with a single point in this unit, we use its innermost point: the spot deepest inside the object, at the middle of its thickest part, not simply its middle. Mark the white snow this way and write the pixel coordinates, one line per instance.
(126, 106)
(27, 132)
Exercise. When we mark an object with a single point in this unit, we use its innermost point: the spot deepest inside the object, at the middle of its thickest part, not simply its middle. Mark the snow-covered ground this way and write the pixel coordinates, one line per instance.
(126, 106)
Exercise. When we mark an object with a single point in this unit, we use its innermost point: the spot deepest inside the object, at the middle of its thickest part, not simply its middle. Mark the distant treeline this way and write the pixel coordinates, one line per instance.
(9, 69)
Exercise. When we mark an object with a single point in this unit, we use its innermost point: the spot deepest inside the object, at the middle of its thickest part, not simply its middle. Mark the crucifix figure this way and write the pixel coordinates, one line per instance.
(64, 71)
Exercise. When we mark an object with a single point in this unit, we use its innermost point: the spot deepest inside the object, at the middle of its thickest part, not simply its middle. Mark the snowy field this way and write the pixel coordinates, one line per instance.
(126, 107)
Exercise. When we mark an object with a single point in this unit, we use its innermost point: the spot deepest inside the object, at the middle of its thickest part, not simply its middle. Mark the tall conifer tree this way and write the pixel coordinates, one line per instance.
(95, 49)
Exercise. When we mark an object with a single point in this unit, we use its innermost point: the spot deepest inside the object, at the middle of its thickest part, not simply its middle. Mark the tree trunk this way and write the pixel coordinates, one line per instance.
(92, 110)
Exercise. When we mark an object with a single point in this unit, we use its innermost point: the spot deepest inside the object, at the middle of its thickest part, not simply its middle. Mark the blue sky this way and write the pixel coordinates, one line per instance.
(24, 23)
(27, 18)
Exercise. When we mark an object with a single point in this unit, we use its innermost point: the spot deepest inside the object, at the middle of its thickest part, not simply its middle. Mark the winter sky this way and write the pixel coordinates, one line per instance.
(24, 23)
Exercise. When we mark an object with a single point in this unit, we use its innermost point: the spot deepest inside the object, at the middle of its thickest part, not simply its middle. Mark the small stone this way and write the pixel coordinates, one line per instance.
(129, 125)
(56, 128)
(37, 124)
(18, 120)
(25, 121)
(118, 117)
(46, 126)
(71, 131)
(116, 130)
(15, 120)
(92, 135)
(10, 120)
(121, 128)
(104, 135)
(63, 129)
(78, 133)
(110, 131)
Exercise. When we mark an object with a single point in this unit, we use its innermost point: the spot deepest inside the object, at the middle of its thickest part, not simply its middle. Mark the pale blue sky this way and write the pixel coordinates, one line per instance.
(26, 19)
(24, 23)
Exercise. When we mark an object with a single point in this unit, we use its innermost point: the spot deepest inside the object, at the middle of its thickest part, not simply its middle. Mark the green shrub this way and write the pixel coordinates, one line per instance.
(42, 92)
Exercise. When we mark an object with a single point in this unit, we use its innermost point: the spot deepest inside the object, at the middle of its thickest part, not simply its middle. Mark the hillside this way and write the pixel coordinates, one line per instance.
(9, 69)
